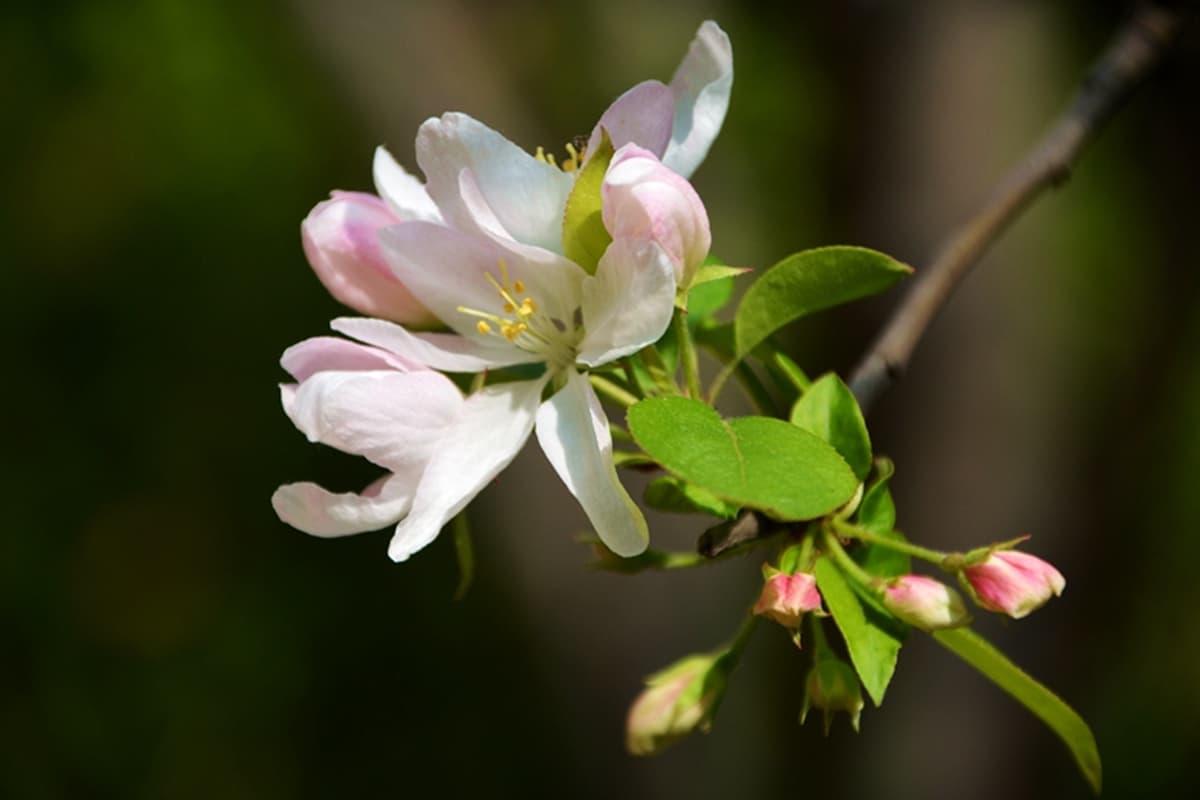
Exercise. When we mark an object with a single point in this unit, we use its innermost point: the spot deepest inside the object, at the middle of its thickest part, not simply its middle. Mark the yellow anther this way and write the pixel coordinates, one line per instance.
(527, 309)
(483, 327)
(540, 155)
(509, 308)
(518, 286)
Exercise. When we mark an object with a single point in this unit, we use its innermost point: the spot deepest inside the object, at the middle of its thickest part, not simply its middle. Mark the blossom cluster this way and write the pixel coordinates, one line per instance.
(481, 249)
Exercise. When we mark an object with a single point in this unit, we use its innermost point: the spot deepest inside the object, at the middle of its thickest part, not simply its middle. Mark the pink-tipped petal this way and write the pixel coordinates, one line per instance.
(483, 438)
(340, 238)
(319, 512)
(787, 598)
(642, 115)
(643, 199)
(322, 353)
(925, 603)
(445, 351)
(574, 435)
(701, 86)
(392, 418)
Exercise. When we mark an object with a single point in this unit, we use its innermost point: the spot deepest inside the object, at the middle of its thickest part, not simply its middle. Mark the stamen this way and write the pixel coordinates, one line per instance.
(482, 327)
(518, 286)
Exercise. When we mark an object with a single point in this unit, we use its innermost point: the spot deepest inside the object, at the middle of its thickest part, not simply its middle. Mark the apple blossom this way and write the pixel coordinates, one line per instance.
(1014, 583)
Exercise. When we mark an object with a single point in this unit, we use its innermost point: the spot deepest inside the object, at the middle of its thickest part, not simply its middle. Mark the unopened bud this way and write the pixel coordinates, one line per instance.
(787, 598)
(676, 701)
(925, 603)
(341, 241)
(1014, 583)
(832, 686)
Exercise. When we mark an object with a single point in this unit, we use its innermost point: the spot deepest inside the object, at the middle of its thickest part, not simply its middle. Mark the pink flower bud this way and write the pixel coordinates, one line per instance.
(341, 242)
(677, 701)
(925, 603)
(1014, 583)
(642, 199)
(787, 598)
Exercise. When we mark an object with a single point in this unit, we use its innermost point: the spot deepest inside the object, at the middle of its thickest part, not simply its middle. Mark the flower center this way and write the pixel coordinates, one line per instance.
(575, 152)
(524, 324)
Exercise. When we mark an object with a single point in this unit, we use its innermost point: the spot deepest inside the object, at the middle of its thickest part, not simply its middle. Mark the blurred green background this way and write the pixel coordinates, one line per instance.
(166, 637)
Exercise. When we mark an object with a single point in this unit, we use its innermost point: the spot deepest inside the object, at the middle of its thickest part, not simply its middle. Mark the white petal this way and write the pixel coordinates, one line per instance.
(402, 191)
(448, 270)
(527, 196)
(483, 439)
(392, 418)
(574, 434)
(628, 303)
(643, 115)
(444, 351)
(320, 353)
(317, 511)
(701, 86)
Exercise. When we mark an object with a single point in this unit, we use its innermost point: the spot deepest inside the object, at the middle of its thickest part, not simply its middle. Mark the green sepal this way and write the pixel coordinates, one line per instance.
(584, 236)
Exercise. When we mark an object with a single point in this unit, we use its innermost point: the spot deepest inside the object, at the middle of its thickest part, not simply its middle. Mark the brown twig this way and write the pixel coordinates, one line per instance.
(1133, 52)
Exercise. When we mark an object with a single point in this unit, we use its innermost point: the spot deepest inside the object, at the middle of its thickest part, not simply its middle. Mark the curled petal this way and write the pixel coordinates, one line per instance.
(701, 86)
(392, 418)
(309, 508)
(574, 434)
(645, 200)
(341, 242)
(527, 196)
(323, 353)
(1014, 583)
(403, 192)
(628, 303)
(484, 437)
(642, 115)
(443, 351)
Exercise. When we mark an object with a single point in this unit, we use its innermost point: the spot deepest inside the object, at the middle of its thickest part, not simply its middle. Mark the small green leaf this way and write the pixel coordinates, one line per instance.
(625, 458)
(829, 410)
(755, 462)
(671, 494)
(810, 281)
(584, 236)
(792, 372)
(1045, 704)
(716, 272)
(877, 514)
(872, 638)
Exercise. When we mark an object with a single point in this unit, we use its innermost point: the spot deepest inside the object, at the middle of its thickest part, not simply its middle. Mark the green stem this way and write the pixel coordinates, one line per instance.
(848, 565)
(742, 638)
(631, 375)
(687, 355)
(662, 377)
(755, 390)
(613, 392)
(864, 535)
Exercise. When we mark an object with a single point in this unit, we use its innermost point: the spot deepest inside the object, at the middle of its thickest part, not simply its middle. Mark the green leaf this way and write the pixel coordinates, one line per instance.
(810, 281)
(625, 458)
(584, 236)
(1045, 704)
(829, 410)
(755, 462)
(671, 494)
(791, 372)
(872, 638)
(877, 514)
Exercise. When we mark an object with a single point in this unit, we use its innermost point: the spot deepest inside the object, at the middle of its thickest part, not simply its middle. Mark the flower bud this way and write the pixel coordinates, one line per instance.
(787, 598)
(1014, 583)
(642, 199)
(832, 686)
(677, 700)
(924, 603)
(341, 242)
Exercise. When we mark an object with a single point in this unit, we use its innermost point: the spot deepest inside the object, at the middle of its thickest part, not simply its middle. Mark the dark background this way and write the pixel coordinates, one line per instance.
(164, 636)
